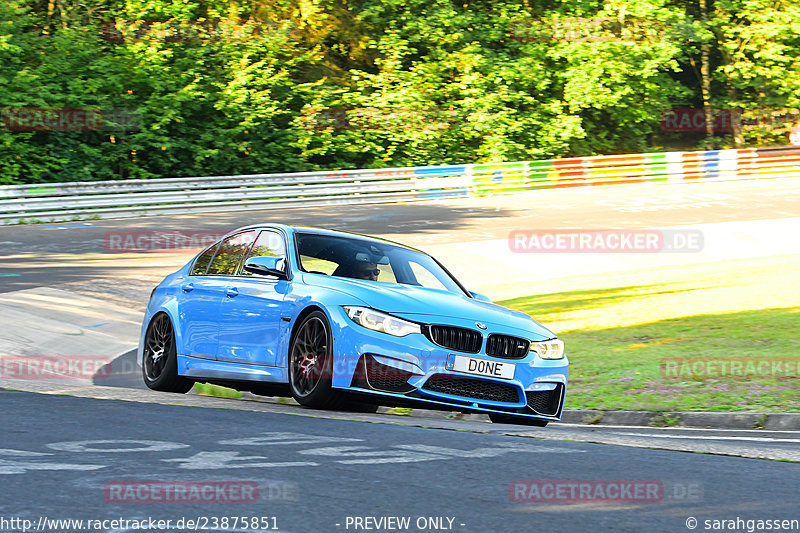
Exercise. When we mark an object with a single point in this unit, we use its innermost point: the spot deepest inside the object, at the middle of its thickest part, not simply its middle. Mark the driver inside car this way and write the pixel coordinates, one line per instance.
(368, 271)
(359, 265)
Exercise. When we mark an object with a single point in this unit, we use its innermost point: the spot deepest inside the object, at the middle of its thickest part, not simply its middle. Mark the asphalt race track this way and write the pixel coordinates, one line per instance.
(314, 473)
(46, 254)
(82, 451)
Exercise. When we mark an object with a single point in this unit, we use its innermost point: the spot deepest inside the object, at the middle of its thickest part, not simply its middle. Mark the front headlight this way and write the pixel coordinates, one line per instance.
(377, 321)
(552, 349)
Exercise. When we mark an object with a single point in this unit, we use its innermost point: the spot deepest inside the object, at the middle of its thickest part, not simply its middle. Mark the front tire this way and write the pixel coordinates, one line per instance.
(160, 358)
(311, 364)
(498, 418)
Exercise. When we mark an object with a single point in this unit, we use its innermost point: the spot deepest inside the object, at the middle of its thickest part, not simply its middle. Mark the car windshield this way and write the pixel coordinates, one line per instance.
(353, 257)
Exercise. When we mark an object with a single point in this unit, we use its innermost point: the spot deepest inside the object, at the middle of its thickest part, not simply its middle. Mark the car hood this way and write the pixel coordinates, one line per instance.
(416, 303)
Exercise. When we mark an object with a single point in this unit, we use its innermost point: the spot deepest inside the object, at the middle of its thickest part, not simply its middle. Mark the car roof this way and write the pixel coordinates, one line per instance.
(299, 228)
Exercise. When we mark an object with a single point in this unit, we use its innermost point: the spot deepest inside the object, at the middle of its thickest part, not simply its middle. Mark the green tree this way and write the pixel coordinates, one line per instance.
(759, 47)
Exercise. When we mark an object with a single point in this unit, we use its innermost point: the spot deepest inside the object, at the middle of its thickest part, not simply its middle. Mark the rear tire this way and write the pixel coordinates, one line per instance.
(311, 364)
(498, 418)
(160, 358)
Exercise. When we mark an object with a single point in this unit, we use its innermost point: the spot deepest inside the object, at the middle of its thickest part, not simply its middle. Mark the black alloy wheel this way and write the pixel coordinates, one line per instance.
(160, 358)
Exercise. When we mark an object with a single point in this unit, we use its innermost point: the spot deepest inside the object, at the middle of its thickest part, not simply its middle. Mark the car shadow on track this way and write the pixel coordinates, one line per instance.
(121, 372)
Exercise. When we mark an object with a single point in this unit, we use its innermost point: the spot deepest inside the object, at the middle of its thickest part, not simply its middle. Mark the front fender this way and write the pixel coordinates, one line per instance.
(329, 301)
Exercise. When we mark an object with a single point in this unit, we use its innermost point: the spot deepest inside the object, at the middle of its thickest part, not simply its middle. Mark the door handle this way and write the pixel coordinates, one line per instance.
(231, 292)
(189, 287)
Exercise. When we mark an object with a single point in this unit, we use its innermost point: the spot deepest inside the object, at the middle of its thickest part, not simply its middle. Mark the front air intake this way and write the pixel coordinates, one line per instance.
(472, 388)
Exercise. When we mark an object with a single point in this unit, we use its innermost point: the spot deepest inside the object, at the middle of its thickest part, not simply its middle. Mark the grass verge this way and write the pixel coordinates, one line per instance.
(207, 389)
(619, 335)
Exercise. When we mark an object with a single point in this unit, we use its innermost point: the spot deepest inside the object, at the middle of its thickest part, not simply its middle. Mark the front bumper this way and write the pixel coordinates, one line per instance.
(414, 370)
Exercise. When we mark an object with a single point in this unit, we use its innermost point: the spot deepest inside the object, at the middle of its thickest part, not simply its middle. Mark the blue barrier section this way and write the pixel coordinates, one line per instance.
(439, 172)
(711, 166)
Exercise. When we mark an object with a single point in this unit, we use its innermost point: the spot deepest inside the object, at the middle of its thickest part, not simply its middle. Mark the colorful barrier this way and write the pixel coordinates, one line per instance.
(63, 201)
(635, 168)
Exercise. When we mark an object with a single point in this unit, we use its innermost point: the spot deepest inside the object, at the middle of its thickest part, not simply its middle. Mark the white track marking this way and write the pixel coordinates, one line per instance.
(710, 437)
(225, 460)
(141, 446)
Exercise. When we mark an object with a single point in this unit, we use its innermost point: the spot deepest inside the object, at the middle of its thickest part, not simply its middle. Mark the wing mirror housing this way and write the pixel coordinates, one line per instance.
(267, 266)
(480, 297)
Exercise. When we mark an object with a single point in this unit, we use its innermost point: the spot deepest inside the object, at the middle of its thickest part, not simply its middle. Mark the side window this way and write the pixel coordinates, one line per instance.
(201, 264)
(230, 253)
(268, 244)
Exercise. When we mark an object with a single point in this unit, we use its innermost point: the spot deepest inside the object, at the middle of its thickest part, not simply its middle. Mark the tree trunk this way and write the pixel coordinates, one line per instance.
(705, 74)
(736, 120)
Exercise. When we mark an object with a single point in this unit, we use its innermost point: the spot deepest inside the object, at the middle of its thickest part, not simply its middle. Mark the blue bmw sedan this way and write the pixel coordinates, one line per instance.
(341, 320)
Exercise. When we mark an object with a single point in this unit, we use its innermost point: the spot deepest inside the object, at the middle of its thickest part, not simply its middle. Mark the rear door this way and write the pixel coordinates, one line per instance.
(250, 314)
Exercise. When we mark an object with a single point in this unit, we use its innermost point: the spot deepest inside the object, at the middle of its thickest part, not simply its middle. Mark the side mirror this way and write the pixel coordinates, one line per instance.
(481, 297)
(266, 266)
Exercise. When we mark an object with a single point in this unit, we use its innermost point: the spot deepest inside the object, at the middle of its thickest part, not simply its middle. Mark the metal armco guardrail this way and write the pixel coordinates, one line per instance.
(115, 199)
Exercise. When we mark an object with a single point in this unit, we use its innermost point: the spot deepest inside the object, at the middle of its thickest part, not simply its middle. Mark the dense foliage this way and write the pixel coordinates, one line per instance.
(114, 89)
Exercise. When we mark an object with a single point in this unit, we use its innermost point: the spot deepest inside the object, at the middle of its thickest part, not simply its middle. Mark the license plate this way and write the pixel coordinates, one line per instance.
(482, 367)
